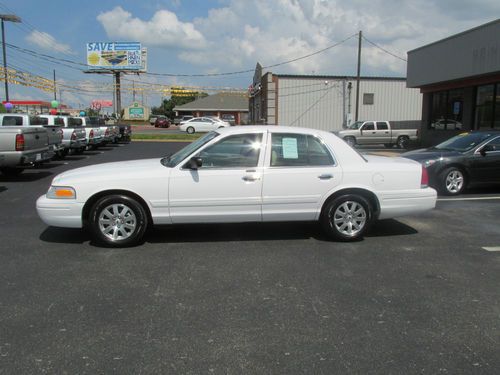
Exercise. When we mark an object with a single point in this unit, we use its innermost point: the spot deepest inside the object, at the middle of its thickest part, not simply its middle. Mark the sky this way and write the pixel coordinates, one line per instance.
(188, 42)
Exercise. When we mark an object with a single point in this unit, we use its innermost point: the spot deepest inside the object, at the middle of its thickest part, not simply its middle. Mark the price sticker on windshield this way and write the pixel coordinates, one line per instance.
(290, 150)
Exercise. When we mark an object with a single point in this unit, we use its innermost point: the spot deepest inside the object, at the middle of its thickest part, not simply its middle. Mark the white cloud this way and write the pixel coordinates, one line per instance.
(48, 42)
(163, 30)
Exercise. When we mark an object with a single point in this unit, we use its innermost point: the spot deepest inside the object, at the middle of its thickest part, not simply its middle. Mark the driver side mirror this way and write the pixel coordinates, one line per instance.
(194, 163)
(486, 149)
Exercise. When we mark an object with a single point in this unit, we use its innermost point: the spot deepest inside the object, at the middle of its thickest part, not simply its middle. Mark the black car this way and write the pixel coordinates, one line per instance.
(467, 159)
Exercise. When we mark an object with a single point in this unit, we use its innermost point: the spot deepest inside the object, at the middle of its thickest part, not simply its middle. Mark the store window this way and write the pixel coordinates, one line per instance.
(487, 114)
(447, 110)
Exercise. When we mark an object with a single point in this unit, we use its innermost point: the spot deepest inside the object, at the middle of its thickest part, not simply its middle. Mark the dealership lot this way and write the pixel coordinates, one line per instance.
(417, 295)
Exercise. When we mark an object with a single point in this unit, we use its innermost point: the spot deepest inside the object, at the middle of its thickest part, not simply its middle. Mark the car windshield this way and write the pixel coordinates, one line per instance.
(355, 125)
(463, 142)
(172, 160)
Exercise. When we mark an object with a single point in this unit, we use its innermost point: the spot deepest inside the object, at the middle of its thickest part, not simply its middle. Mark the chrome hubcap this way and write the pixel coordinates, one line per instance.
(454, 181)
(349, 218)
(117, 222)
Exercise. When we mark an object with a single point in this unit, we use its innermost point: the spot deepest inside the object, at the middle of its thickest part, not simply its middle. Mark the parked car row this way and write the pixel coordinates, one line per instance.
(27, 140)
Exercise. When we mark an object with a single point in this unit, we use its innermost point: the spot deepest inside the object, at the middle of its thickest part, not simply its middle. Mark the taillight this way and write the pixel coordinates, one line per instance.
(73, 135)
(19, 142)
(424, 181)
(106, 133)
(91, 134)
(61, 133)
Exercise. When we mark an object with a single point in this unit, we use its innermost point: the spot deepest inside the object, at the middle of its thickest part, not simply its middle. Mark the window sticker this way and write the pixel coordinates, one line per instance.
(290, 150)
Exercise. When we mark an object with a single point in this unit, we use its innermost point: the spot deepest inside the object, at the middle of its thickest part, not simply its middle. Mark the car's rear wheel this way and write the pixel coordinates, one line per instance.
(402, 142)
(452, 181)
(346, 218)
(351, 141)
(118, 221)
(190, 130)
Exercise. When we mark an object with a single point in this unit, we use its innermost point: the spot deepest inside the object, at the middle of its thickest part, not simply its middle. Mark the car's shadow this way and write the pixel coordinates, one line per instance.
(26, 176)
(2, 189)
(230, 232)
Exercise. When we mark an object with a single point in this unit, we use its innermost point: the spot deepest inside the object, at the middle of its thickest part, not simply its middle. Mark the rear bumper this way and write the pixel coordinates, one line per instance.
(22, 159)
(64, 213)
(406, 203)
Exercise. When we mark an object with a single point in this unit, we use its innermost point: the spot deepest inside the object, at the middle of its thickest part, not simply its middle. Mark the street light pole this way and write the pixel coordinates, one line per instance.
(11, 18)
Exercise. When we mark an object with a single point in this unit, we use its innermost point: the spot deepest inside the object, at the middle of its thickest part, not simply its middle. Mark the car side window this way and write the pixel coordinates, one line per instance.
(494, 144)
(237, 151)
(382, 125)
(12, 121)
(369, 126)
(298, 150)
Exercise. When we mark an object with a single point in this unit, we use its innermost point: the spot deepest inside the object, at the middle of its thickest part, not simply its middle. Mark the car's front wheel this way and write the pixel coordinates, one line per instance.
(346, 218)
(190, 130)
(453, 181)
(118, 221)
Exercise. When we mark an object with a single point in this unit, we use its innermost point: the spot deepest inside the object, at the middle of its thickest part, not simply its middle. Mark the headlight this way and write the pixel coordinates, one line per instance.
(61, 192)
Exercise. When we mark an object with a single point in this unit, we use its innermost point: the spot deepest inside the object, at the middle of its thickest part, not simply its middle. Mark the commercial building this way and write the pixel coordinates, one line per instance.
(459, 78)
(220, 105)
(329, 102)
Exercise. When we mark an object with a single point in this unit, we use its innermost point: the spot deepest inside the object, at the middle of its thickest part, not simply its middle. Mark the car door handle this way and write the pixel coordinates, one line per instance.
(325, 176)
(250, 178)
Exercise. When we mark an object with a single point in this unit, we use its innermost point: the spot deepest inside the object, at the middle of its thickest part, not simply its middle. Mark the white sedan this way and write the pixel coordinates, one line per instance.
(240, 174)
(202, 124)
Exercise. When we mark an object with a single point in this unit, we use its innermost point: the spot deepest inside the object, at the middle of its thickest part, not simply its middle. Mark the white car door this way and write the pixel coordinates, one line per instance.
(301, 170)
(226, 188)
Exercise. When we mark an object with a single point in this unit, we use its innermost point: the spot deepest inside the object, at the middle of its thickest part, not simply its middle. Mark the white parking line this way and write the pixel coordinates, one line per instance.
(494, 248)
(470, 199)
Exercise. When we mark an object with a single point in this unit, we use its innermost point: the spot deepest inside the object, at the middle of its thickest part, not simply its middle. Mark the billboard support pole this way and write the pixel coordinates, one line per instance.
(118, 95)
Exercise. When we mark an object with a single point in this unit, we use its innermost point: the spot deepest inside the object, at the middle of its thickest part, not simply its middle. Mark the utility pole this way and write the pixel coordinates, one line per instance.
(133, 91)
(344, 118)
(11, 18)
(358, 76)
(55, 87)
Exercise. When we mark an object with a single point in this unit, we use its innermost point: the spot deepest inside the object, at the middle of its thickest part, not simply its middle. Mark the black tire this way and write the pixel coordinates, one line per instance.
(388, 145)
(190, 130)
(452, 181)
(11, 172)
(61, 154)
(351, 141)
(347, 217)
(118, 221)
(403, 142)
(79, 151)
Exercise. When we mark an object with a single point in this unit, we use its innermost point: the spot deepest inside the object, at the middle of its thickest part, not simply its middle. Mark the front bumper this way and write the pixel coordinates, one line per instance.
(66, 213)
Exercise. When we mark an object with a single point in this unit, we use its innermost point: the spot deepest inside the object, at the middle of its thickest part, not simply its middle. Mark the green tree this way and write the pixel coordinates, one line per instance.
(168, 105)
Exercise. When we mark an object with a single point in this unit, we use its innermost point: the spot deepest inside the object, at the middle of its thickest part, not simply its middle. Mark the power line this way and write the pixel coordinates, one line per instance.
(386, 51)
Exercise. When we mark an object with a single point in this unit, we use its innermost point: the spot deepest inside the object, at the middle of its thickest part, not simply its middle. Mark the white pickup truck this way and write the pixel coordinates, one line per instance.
(54, 132)
(74, 136)
(377, 132)
(94, 134)
(22, 146)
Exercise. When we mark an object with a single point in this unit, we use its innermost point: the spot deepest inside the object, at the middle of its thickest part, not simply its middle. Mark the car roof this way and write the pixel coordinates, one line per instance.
(270, 128)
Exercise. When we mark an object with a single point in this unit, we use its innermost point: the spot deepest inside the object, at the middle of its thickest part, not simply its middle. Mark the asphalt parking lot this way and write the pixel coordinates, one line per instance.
(417, 295)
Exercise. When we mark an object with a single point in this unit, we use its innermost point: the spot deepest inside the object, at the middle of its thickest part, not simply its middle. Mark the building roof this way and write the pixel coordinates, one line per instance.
(302, 76)
(218, 102)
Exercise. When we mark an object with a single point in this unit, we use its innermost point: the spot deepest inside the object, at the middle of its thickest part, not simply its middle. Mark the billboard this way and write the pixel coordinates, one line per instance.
(114, 55)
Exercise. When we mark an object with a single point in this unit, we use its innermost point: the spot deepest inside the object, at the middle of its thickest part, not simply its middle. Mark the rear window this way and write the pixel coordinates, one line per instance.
(12, 121)
(59, 121)
(35, 120)
(72, 121)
